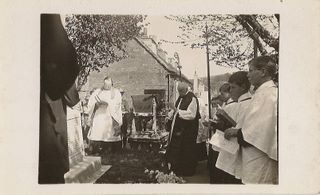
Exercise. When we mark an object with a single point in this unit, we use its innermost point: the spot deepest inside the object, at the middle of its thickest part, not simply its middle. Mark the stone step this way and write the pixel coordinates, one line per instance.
(86, 171)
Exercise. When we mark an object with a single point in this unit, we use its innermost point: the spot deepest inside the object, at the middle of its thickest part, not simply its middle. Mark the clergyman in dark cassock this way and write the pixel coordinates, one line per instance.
(59, 69)
(181, 151)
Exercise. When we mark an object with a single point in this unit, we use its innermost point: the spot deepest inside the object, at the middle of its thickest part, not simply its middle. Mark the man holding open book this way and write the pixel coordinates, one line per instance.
(104, 109)
(257, 133)
(229, 116)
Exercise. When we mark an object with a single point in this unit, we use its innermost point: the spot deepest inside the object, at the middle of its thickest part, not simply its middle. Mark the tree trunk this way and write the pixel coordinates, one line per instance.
(254, 35)
(255, 49)
(278, 17)
(262, 32)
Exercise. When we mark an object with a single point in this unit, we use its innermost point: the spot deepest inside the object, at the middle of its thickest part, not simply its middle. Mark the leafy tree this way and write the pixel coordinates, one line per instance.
(100, 40)
(230, 38)
(264, 30)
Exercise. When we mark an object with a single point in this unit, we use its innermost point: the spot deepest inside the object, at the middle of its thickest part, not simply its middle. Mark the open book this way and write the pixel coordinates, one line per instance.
(220, 143)
(226, 119)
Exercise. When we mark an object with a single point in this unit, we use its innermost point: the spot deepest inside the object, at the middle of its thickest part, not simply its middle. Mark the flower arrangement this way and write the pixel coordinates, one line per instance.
(161, 177)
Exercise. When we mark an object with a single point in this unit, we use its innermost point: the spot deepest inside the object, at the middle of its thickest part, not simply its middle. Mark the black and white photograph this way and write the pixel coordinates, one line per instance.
(159, 99)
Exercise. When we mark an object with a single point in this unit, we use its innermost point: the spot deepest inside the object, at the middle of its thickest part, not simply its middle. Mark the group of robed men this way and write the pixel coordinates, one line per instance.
(256, 132)
(253, 106)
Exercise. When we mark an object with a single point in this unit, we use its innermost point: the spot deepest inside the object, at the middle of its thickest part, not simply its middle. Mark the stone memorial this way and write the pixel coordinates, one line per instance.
(83, 169)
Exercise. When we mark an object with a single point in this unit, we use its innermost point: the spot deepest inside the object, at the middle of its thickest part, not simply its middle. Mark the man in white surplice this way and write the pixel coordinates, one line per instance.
(104, 109)
(258, 134)
(239, 87)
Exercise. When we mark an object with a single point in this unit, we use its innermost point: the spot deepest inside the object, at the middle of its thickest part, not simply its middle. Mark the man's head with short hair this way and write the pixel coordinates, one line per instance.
(261, 69)
(182, 89)
(107, 83)
(225, 87)
(217, 100)
(264, 63)
(239, 84)
(225, 91)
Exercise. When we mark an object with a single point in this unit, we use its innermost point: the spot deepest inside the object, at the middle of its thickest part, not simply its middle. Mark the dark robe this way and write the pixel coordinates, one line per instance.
(58, 71)
(182, 150)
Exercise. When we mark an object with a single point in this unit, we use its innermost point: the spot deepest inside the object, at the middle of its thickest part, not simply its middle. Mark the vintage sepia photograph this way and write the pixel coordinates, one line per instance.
(160, 97)
(153, 99)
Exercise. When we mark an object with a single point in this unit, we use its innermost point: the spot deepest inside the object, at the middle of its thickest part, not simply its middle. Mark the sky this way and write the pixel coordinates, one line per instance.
(190, 59)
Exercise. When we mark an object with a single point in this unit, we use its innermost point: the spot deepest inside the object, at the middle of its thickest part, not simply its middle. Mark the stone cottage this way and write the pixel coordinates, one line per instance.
(146, 70)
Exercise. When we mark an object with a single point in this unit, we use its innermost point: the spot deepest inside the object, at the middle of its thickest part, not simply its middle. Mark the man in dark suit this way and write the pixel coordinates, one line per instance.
(59, 69)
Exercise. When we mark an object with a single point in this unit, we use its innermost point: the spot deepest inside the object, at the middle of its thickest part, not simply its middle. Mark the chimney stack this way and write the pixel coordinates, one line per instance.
(145, 32)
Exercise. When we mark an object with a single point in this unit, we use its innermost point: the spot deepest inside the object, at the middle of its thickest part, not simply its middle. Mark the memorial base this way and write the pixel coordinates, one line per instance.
(86, 171)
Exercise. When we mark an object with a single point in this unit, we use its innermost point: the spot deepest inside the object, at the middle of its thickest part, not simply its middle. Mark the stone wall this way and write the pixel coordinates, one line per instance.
(138, 72)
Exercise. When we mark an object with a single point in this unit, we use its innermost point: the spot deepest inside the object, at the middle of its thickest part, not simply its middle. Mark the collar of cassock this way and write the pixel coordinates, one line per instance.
(244, 97)
(230, 101)
(185, 94)
(265, 85)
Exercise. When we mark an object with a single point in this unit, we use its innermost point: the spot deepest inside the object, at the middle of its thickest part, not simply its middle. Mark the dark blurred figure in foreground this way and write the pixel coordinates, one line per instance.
(59, 69)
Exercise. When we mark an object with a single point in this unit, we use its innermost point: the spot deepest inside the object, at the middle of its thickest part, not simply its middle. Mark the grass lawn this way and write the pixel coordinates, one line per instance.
(129, 165)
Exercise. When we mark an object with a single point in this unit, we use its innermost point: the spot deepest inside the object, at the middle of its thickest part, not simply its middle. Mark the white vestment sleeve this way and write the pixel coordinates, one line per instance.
(91, 103)
(260, 123)
(115, 107)
(191, 112)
